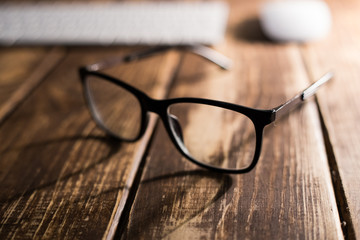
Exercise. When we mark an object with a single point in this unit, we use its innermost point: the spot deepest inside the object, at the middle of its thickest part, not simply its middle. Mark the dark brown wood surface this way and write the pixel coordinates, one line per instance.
(28, 67)
(288, 195)
(61, 177)
(340, 106)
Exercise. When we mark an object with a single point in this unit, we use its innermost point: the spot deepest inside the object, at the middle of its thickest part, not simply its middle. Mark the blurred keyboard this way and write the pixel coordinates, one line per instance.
(149, 23)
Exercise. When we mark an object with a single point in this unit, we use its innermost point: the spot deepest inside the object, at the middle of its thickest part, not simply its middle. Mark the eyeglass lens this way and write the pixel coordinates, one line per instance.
(212, 135)
(117, 109)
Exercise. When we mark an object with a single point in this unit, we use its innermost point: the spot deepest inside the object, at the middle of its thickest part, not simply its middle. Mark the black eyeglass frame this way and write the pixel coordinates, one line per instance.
(260, 118)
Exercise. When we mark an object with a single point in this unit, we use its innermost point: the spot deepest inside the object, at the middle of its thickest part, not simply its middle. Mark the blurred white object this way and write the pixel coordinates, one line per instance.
(295, 20)
(166, 23)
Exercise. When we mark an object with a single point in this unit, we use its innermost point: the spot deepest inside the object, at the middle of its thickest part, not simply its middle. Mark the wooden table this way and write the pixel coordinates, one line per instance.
(62, 177)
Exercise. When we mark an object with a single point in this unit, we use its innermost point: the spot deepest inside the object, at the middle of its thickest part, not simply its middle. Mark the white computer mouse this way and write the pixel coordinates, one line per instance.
(295, 20)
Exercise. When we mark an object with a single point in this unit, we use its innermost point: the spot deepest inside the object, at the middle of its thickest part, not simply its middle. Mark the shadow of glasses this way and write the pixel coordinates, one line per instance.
(178, 192)
(48, 174)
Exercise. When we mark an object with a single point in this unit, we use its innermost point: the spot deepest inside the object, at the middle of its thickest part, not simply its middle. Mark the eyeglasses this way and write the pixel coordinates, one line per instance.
(216, 135)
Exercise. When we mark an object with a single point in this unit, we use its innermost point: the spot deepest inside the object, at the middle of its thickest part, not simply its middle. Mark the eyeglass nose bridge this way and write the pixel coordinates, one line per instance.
(150, 105)
(160, 108)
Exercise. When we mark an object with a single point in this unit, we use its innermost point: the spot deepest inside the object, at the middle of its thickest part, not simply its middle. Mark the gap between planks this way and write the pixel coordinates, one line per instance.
(126, 199)
(341, 201)
(347, 226)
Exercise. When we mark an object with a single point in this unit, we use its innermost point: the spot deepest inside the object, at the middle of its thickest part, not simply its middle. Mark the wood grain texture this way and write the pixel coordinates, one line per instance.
(339, 104)
(15, 64)
(60, 176)
(22, 69)
(288, 195)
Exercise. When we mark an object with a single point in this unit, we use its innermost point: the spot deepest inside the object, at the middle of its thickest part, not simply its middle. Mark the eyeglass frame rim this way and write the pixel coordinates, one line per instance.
(259, 117)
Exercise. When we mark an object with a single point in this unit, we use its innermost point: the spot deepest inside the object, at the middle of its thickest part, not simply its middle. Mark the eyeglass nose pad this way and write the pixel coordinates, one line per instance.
(176, 127)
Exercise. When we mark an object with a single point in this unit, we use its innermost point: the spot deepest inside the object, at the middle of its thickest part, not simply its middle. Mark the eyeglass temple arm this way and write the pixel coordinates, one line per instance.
(308, 92)
(203, 51)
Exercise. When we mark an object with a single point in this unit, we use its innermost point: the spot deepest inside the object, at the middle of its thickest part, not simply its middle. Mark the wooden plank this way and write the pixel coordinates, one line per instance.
(22, 69)
(340, 107)
(288, 195)
(60, 176)
(21, 61)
